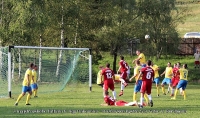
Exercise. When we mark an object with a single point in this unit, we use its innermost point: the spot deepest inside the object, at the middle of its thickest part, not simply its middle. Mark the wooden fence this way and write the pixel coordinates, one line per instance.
(188, 46)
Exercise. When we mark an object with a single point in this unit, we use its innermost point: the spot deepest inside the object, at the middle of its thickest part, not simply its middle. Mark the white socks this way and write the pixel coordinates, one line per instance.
(141, 100)
(122, 86)
(114, 95)
(149, 96)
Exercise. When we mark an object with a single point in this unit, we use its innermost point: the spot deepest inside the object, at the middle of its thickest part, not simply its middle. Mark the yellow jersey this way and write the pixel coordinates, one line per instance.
(34, 75)
(137, 72)
(168, 72)
(183, 74)
(155, 68)
(27, 77)
(99, 77)
(142, 58)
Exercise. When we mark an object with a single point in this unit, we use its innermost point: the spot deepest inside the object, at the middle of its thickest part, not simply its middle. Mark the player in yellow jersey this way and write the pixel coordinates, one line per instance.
(99, 82)
(156, 77)
(141, 58)
(183, 81)
(137, 87)
(26, 85)
(168, 76)
(34, 85)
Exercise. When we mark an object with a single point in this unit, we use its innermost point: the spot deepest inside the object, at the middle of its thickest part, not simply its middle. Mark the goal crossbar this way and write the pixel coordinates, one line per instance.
(54, 48)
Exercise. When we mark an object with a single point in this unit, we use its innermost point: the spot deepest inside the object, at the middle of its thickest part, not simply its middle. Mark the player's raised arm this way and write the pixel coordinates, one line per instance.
(137, 59)
(132, 77)
(162, 73)
(135, 75)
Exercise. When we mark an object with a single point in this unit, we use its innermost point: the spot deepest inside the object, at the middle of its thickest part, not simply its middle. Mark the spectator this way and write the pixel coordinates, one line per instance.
(196, 57)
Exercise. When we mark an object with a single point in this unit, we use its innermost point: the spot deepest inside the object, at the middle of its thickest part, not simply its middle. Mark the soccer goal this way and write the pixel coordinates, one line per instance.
(58, 68)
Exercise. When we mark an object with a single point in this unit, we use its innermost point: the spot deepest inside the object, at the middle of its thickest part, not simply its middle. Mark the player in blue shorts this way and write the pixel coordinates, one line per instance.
(156, 77)
(26, 85)
(168, 76)
(34, 85)
(183, 81)
(137, 86)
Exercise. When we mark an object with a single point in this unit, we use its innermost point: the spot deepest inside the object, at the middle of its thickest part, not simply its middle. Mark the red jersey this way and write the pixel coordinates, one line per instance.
(147, 74)
(147, 77)
(109, 100)
(108, 74)
(124, 66)
(176, 73)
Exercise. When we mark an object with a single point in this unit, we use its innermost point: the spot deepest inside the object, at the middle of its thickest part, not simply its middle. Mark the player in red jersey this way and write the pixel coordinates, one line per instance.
(109, 78)
(109, 101)
(147, 74)
(123, 67)
(112, 102)
(174, 70)
(176, 77)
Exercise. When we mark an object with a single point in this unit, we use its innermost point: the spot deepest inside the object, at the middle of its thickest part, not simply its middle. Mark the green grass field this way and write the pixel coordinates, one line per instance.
(80, 103)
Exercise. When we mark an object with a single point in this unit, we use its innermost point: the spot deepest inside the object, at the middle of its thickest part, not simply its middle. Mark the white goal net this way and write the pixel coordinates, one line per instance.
(58, 68)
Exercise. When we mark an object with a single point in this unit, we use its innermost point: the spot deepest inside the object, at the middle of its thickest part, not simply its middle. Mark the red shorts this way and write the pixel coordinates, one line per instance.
(196, 62)
(120, 103)
(175, 82)
(172, 80)
(108, 84)
(123, 75)
(146, 87)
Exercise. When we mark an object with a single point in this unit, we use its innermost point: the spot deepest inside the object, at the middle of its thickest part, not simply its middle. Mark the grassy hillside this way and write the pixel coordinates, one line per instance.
(191, 21)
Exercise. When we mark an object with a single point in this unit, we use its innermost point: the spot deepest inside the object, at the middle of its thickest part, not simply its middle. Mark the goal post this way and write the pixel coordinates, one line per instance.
(73, 71)
(9, 70)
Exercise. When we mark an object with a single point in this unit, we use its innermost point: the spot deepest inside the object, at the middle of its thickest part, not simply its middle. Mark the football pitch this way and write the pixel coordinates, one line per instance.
(79, 102)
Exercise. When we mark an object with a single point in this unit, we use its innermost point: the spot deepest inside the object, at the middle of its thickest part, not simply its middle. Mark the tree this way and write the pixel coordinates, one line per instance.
(98, 24)
(157, 20)
(21, 22)
(118, 27)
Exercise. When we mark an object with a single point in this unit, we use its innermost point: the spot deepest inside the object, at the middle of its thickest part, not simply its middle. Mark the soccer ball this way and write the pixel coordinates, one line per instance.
(147, 36)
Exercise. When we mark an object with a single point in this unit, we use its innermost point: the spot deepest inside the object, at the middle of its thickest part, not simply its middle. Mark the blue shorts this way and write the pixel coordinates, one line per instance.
(182, 84)
(34, 86)
(26, 89)
(156, 80)
(138, 86)
(143, 65)
(166, 81)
